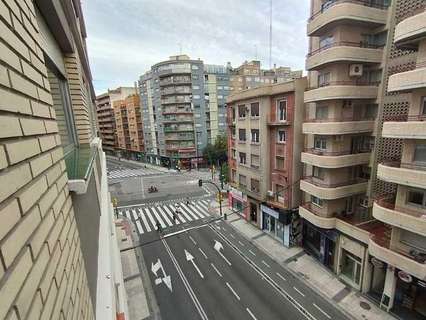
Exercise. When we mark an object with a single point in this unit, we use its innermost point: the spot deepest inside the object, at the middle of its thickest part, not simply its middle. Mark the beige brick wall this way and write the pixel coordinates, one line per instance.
(42, 274)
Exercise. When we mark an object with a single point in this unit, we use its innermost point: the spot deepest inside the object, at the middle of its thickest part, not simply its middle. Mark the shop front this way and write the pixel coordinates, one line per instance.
(410, 296)
(278, 224)
(320, 243)
(238, 202)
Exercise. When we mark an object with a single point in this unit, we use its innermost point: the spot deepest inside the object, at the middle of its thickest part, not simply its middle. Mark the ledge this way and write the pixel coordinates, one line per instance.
(411, 30)
(338, 92)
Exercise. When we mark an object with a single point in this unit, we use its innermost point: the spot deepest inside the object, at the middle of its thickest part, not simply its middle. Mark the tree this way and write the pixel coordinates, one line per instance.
(217, 153)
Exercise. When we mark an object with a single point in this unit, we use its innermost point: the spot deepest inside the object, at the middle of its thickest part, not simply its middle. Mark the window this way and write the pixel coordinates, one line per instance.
(255, 135)
(318, 172)
(233, 175)
(321, 112)
(233, 133)
(416, 197)
(281, 136)
(242, 180)
(255, 185)
(326, 41)
(420, 153)
(196, 96)
(234, 154)
(324, 79)
(423, 106)
(316, 201)
(254, 107)
(279, 163)
(255, 161)
(320, 143)
(243, 159)
(242, 111)
(282, 110)
(195, 87)
(242, 135)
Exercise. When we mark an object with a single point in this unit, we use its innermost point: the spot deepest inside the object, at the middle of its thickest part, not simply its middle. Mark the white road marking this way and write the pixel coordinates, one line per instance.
(242, 244)
(192, 239)
(191, 211)
(252, 252)
(322, 311)
(148, 213)
(145, 221)
(266, 264)
(164, 215)
(232, 235)
(251, 314)
(215, 269)
(202, 252)
(279, 275)
(190, 257)
(139, 226)
(135, 216)
(233, 291)
(163, 225)
(179, 217)
(184, 213)
(128, 215)
(203, 212)
(143, 188)
(300, 292)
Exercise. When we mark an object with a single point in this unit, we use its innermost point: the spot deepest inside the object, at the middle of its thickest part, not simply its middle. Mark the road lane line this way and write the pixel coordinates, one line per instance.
(242, 244)
(139, 226)
(232, 235)
(322, 311)
(251, 314)
(163, 225)
(144, 220)
(215, 269)
(233, 291)
(266, 264)
(143, 188)
(135, 216)
(202, 252)
(279, 275)
(192, 239)
(252, 252)
(300, 292)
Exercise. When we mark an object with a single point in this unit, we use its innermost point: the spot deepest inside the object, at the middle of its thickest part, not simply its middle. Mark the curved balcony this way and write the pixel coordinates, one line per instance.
(328, 191)
(326, 159)
(409, 174)
(337, 126)
(339, 90)
(412, 29)
(408, 80)
(356, 11)
(405, 127)
(343, 51)
(378, 247)
(384, 209)
(307, 212)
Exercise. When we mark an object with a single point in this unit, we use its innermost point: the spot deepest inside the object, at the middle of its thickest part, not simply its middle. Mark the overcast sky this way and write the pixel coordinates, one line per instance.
(126, 37)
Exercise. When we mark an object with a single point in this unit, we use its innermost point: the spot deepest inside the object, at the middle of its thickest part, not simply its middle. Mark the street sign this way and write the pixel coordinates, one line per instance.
(166, 279)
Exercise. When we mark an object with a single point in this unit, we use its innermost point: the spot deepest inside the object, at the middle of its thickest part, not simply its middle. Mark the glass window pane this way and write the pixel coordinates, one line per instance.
(420, 153)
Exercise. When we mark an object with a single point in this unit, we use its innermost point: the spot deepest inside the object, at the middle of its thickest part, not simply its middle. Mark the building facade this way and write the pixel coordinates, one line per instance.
(129, 128)
(265, 141)
(55, 209)
(105, 116)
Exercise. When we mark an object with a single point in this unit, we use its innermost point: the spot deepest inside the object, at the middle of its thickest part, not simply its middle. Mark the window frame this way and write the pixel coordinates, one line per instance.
(276, 163)
(279, 137)
(278, 105)
(258, 110)
(257, 135)
(413, 204)
(319, 204)
(239, 135)
(242, 107)
(240, 154)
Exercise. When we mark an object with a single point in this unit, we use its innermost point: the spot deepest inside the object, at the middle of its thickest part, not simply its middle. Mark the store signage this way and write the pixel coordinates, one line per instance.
(405, 276)
(237, 194)
(269, 211)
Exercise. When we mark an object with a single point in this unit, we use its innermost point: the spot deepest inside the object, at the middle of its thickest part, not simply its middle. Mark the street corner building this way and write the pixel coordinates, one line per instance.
(58, 256)
(264, 145)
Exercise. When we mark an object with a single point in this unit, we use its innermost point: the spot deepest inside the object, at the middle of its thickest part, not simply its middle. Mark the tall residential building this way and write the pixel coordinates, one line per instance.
(128, 123)
(183, 108)
(105, 116)
(363, 134)
(250, 75)
(264, 145)
(58, 254)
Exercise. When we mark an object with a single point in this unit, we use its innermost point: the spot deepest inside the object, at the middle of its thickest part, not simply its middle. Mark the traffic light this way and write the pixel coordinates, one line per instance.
(200, 183)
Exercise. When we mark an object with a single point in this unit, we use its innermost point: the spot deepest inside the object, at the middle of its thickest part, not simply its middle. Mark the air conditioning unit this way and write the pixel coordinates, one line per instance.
(270, 193)
(355, 70)
(363, 202)
(338, 138)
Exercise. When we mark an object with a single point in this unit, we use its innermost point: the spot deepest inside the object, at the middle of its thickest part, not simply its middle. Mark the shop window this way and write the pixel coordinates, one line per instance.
(351, 267)
(243, 158)
(242, 135)
(242, 111)
(282, 110)
(317, 201)
(253, 212)
(254, 108)
(279, 163)
(416, 197)
(281, 136)
(318, 172)
(255, 135)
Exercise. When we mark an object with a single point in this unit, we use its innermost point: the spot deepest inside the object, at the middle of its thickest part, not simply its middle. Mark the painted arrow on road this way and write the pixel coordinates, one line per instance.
(167, 280)
(218, 246)
(190, 257)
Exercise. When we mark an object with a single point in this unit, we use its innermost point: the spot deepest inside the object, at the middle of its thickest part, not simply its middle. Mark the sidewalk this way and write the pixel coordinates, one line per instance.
(323, 281)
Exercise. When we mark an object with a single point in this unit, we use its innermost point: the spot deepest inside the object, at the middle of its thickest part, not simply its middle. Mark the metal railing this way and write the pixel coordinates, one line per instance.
(341, 119)
(346, 83)
(323, 184)
(360, 44)
(404, 118)
(405, 165)
(331, 4)
(334, 153)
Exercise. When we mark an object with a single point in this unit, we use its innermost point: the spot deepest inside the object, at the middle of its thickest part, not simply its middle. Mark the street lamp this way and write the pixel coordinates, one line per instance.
(200, 184)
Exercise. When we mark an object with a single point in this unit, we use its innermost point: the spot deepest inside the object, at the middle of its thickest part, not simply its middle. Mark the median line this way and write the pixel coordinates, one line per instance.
(300, 292)
(241, 244)
(215, 269)
(251, 314)
(233, 291)
(263, 261)
(279, 275)
(192, 239)
(202, 252)
(322, 311)
(252, 252)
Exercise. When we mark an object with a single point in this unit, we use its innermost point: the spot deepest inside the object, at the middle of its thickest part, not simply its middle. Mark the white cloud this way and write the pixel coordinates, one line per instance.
(125, 37)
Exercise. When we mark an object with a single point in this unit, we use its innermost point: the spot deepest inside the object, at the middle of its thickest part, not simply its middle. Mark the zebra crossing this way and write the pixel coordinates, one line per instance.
(145, 218)
(128, 173)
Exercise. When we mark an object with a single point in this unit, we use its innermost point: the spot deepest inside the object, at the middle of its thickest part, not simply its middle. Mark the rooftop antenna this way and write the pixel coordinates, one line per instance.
(270, 36)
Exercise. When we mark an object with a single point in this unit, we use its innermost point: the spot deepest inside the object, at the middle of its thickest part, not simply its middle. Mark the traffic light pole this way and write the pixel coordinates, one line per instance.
(200, 184)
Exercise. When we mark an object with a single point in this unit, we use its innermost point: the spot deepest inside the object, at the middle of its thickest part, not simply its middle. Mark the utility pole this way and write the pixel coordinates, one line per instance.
(200, 184)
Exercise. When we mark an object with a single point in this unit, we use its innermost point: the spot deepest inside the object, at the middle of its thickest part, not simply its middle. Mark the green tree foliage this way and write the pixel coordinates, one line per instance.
(217, 153)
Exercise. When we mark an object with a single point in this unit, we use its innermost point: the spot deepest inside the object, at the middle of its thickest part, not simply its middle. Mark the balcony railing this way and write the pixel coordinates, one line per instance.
(388, 201)
(341, 119)
(405, 118)
(405, 165)
(327, 5)
(323, 184)
(346, 83)
(361, 44)
(320, 152)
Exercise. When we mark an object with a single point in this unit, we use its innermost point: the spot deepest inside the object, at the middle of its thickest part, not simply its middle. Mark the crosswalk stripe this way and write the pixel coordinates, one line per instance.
(192, 210)
(139, 226)
(202, 204)
(187, 217)
(202, 211)
(128, 215)
(179, 217)
(158, 216)
(145, 221)
(135, 215)
(165, 216)
(148, 213)
(189, 211)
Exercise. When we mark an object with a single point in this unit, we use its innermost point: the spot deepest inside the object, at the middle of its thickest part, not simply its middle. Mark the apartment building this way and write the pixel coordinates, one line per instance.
(105, 115)
(129, 128)
(363, 148)
(183, 107)
(250, 75)
(58, 255)
(265, 141)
